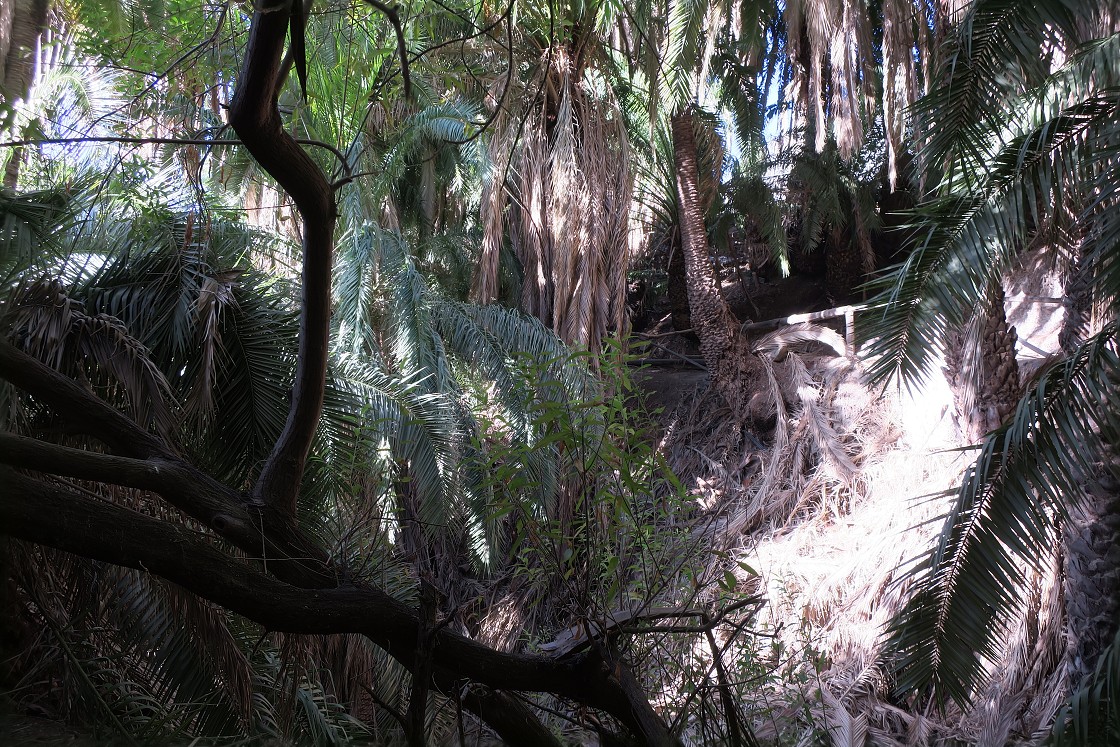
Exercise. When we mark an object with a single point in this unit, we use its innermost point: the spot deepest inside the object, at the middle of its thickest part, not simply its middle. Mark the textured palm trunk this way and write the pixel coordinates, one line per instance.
(1092, 573)
(21, 24)
(984, 398)
(1092, 534)
(1077, 301)
(734, 371)
(843, 270)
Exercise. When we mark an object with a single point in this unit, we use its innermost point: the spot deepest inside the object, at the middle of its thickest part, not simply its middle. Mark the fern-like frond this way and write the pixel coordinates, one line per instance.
(968, 239)
(1092, 716)
(1004, 519)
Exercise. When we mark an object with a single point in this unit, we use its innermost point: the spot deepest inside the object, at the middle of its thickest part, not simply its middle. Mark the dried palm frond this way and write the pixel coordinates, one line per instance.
(567, 214)
(53, 327)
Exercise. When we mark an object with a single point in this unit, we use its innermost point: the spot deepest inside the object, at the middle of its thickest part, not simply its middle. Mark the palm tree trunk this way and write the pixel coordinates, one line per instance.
(844, 266)
(678, 287)
(986, 396)
(1000, 388)
(20, 27)
(734, 371)
(1092, 574)
(21, 24)
(1077, 301)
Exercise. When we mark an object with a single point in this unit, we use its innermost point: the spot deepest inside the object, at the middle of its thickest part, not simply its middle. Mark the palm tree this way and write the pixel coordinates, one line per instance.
(559, 184)
(183, 333)
(391, 401)
(1047, 475)
(21, 25)
(736, 373)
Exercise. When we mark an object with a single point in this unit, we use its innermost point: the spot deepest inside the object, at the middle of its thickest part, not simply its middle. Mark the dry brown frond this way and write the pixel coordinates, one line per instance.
(214, 296)
(97, 349)
(568, 204)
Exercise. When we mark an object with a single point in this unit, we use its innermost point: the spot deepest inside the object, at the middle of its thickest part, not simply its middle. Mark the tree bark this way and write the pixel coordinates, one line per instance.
(253, 114)
(1092, 571)
(678, 287)
(736, 373)
(985, 395)
(22, 22)
(51, 514)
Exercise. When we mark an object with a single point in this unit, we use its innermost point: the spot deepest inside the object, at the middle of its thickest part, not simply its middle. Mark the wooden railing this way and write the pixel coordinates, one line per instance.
(848, 312)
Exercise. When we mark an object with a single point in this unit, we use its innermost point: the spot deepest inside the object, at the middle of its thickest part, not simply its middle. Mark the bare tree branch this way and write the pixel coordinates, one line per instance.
(77, 405)
(252, 526)
(163, 141)
(255, 118)
(50, 514)
(40, 456)
(390, 12)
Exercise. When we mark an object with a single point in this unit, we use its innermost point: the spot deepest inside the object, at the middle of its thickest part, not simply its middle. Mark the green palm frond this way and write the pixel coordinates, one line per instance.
(683, 40)
(500, 345)
(1093, 714)
(970, 238)
(1000, 46)
(1004, 519)
(357, 289)
(52, 326)
(252, 379)
(189, 663)
(418, 427)
(30, 223)
(441, 126)
(155, 660)
(296, 706)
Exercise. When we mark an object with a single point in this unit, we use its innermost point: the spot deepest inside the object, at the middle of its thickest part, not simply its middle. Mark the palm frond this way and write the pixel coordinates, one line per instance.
(53, 327)
(1003, 520)
(1000, 46)
(29, 225)
(1092, 716)
(969, 239)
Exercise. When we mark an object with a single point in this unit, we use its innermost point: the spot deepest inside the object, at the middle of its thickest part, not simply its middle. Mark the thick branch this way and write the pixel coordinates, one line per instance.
(255, 118)
(77, 405)
(163, 141)
(40, 456)
(52, 515)
(144, 461)
(402, 50)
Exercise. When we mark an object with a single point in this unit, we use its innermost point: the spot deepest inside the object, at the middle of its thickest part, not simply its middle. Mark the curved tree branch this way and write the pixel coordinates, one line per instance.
(164, 141)
(252, 526)
(77, 405)
(48, 513)
(254, 116)
(390, 12)
(52, 515)
(40, 456)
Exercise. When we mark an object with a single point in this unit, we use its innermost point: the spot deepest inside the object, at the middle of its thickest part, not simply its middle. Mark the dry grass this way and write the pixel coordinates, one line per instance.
(830, 514)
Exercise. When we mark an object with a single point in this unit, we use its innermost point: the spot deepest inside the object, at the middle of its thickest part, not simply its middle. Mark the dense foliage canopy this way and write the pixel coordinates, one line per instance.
(316, 318)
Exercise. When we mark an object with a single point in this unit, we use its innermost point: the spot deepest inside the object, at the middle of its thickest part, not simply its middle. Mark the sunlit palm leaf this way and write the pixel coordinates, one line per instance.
(1005, 518)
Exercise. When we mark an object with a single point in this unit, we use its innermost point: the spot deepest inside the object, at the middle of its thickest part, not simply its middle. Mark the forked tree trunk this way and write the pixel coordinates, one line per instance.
(735, 372)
